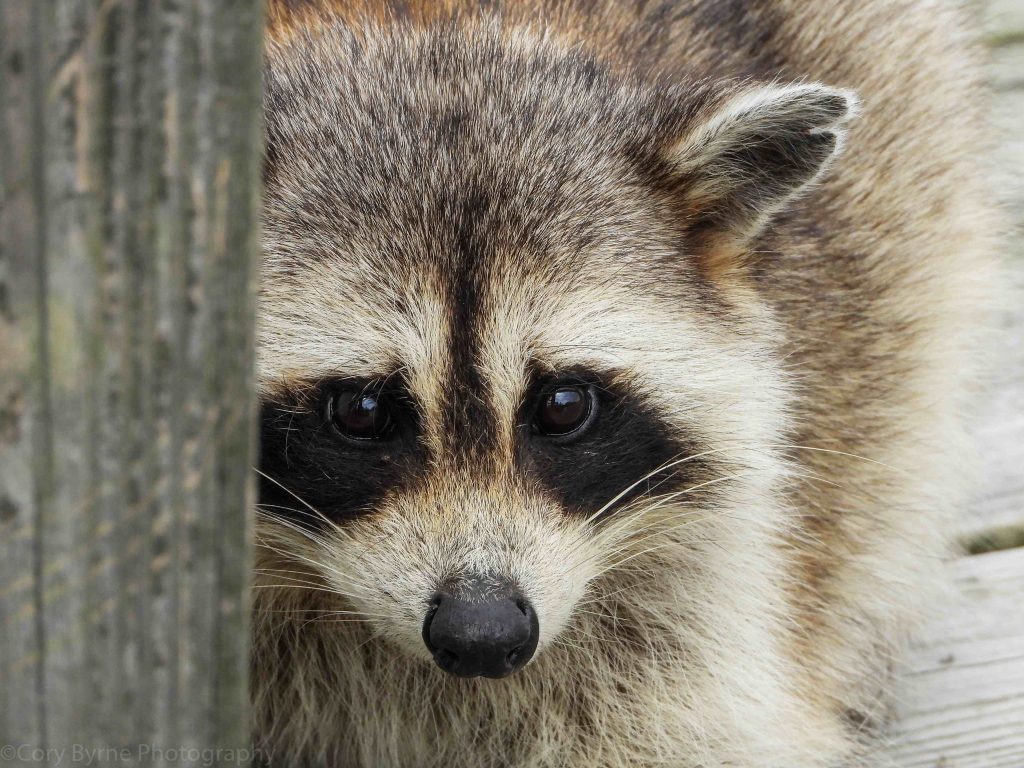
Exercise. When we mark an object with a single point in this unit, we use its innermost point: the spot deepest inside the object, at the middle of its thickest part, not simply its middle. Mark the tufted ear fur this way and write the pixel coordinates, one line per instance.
(754, 152)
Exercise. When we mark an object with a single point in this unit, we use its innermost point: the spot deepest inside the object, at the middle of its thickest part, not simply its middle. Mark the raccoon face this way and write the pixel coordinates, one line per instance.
(508, 346)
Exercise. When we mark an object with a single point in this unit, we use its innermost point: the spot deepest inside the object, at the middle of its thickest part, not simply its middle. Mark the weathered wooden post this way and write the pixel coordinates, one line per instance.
(130, 136)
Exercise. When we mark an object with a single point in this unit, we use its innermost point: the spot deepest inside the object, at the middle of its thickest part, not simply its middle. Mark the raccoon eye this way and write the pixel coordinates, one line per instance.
(359, 414)
(565, 410)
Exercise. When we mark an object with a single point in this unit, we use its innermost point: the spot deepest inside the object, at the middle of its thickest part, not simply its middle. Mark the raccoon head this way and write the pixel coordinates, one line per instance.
(509, 349)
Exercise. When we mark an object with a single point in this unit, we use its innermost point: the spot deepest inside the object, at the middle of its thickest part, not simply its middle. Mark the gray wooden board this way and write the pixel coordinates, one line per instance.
(130, 141)
(998, 510)
(961, 694)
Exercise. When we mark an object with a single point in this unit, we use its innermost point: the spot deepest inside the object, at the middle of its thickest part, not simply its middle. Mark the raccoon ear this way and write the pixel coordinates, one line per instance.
(754, 152)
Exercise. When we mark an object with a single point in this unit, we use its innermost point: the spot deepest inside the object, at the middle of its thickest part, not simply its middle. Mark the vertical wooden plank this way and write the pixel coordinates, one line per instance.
(236, 240)
(130, 138)
(22, 716)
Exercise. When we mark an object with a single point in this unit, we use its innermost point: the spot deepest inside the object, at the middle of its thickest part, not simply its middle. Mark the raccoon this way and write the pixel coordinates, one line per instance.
(612, 360)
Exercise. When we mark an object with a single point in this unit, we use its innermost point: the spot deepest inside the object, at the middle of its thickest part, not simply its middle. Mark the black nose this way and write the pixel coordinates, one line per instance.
(474, 633)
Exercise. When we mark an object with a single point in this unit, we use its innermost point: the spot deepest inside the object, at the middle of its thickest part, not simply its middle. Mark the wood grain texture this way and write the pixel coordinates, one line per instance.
(962, 689)
(1003, 21)
(130, 139)
(996, 517)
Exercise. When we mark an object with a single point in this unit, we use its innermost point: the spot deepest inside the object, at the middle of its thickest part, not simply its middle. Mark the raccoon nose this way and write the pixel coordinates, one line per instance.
(492, 637)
